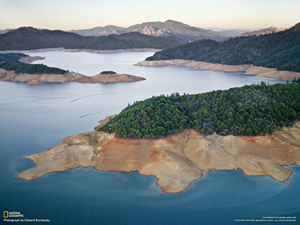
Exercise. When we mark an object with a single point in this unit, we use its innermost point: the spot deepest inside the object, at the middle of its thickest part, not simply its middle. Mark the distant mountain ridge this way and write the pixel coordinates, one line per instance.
(269, 30)
(4, 31)
(158, 29)
(29, 38)
(100, 31)
(279, 50)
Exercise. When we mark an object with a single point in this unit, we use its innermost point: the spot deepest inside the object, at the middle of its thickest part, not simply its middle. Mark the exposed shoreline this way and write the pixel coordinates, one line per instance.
(175, 160)
(35, 79)
(30, 59)
(84, 50)
(247, 68)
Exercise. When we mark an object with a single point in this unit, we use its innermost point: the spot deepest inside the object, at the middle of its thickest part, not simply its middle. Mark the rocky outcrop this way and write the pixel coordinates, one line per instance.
(175, 160)
(247, 68)
(34, 79)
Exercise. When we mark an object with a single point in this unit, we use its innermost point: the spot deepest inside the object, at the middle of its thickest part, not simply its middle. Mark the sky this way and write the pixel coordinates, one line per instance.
(84, 14)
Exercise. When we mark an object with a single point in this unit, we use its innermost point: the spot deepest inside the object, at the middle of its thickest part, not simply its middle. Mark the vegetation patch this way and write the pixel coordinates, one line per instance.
(108, 72)
(20, 67)
(11, 56)
(249, 110)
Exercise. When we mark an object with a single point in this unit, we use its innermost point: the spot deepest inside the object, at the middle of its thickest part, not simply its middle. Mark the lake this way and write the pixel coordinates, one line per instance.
(35, 118)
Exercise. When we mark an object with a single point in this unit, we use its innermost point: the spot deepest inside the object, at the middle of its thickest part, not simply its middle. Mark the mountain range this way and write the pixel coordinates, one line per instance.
(170, 28)
(276, 50)
(29, 38)
(159, 29)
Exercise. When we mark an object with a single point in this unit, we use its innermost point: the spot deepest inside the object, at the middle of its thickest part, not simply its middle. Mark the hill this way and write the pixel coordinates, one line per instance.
(4, 31)
(28, 38)
(19, 67)
(100, 31)
(11, 56)
(158, 29)
(269, 30)
(250, 110)
(279, 50)
(10, 62)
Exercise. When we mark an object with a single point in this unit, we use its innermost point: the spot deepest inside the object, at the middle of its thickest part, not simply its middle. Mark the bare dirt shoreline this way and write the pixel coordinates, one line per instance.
(34, 79)
(247, 68)
(175, 160)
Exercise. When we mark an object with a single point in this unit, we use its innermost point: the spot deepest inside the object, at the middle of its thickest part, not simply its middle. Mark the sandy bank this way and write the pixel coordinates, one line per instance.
(84, 50)
(247, 68)
(176, 160)
(34, 79)
(30, 59)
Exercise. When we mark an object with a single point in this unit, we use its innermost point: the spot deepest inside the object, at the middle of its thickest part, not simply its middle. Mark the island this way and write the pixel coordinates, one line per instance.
(14, 67)
(177, 138)
(272, 55)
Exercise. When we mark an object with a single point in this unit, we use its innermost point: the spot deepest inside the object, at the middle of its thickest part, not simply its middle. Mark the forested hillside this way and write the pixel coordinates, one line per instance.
(279, 50)
(249, 110)
(28, 38)
(20, 67)
(11, 56)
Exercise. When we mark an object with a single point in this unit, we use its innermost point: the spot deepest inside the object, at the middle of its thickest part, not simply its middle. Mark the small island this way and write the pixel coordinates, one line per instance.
(176, 138)
(15, 67)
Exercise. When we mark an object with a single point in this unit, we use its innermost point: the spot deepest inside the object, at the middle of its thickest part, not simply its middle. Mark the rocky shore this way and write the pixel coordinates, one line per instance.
(175, 160)
(247, 68)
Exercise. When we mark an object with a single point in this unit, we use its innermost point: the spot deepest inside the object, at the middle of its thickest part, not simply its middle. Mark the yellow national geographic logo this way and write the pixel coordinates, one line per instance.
(5, 214)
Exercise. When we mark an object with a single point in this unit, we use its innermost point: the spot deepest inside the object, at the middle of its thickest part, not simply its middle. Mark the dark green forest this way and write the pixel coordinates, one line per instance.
(20, 67)
(279, 50)
(249, 110)
(11, 56)
(108, 72)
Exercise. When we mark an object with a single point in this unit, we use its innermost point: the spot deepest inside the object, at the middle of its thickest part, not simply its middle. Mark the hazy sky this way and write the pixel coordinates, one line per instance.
(81, 14)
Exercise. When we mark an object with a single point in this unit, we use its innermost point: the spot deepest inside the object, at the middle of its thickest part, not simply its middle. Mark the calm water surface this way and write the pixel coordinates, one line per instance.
(35, 118)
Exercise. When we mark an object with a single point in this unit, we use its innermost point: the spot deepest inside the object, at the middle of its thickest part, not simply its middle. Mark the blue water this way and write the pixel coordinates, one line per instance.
(35, 118)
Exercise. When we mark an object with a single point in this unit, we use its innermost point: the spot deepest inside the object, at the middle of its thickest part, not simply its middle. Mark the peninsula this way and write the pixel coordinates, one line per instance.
(177, 138)
(271, 55)
(14, 67)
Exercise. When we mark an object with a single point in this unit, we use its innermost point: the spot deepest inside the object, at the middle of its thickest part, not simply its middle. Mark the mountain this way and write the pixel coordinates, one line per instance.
(4, 31)
(278, 50)
(269, 30)
(29, 38)
(158, 29)
(180, 30)
(100, 31)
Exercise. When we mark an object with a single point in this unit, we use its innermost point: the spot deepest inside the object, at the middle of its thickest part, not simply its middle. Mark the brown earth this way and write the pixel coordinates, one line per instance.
(109, 78)
(175, 160)
(34, 79)
(247, 68)
(30, 59)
